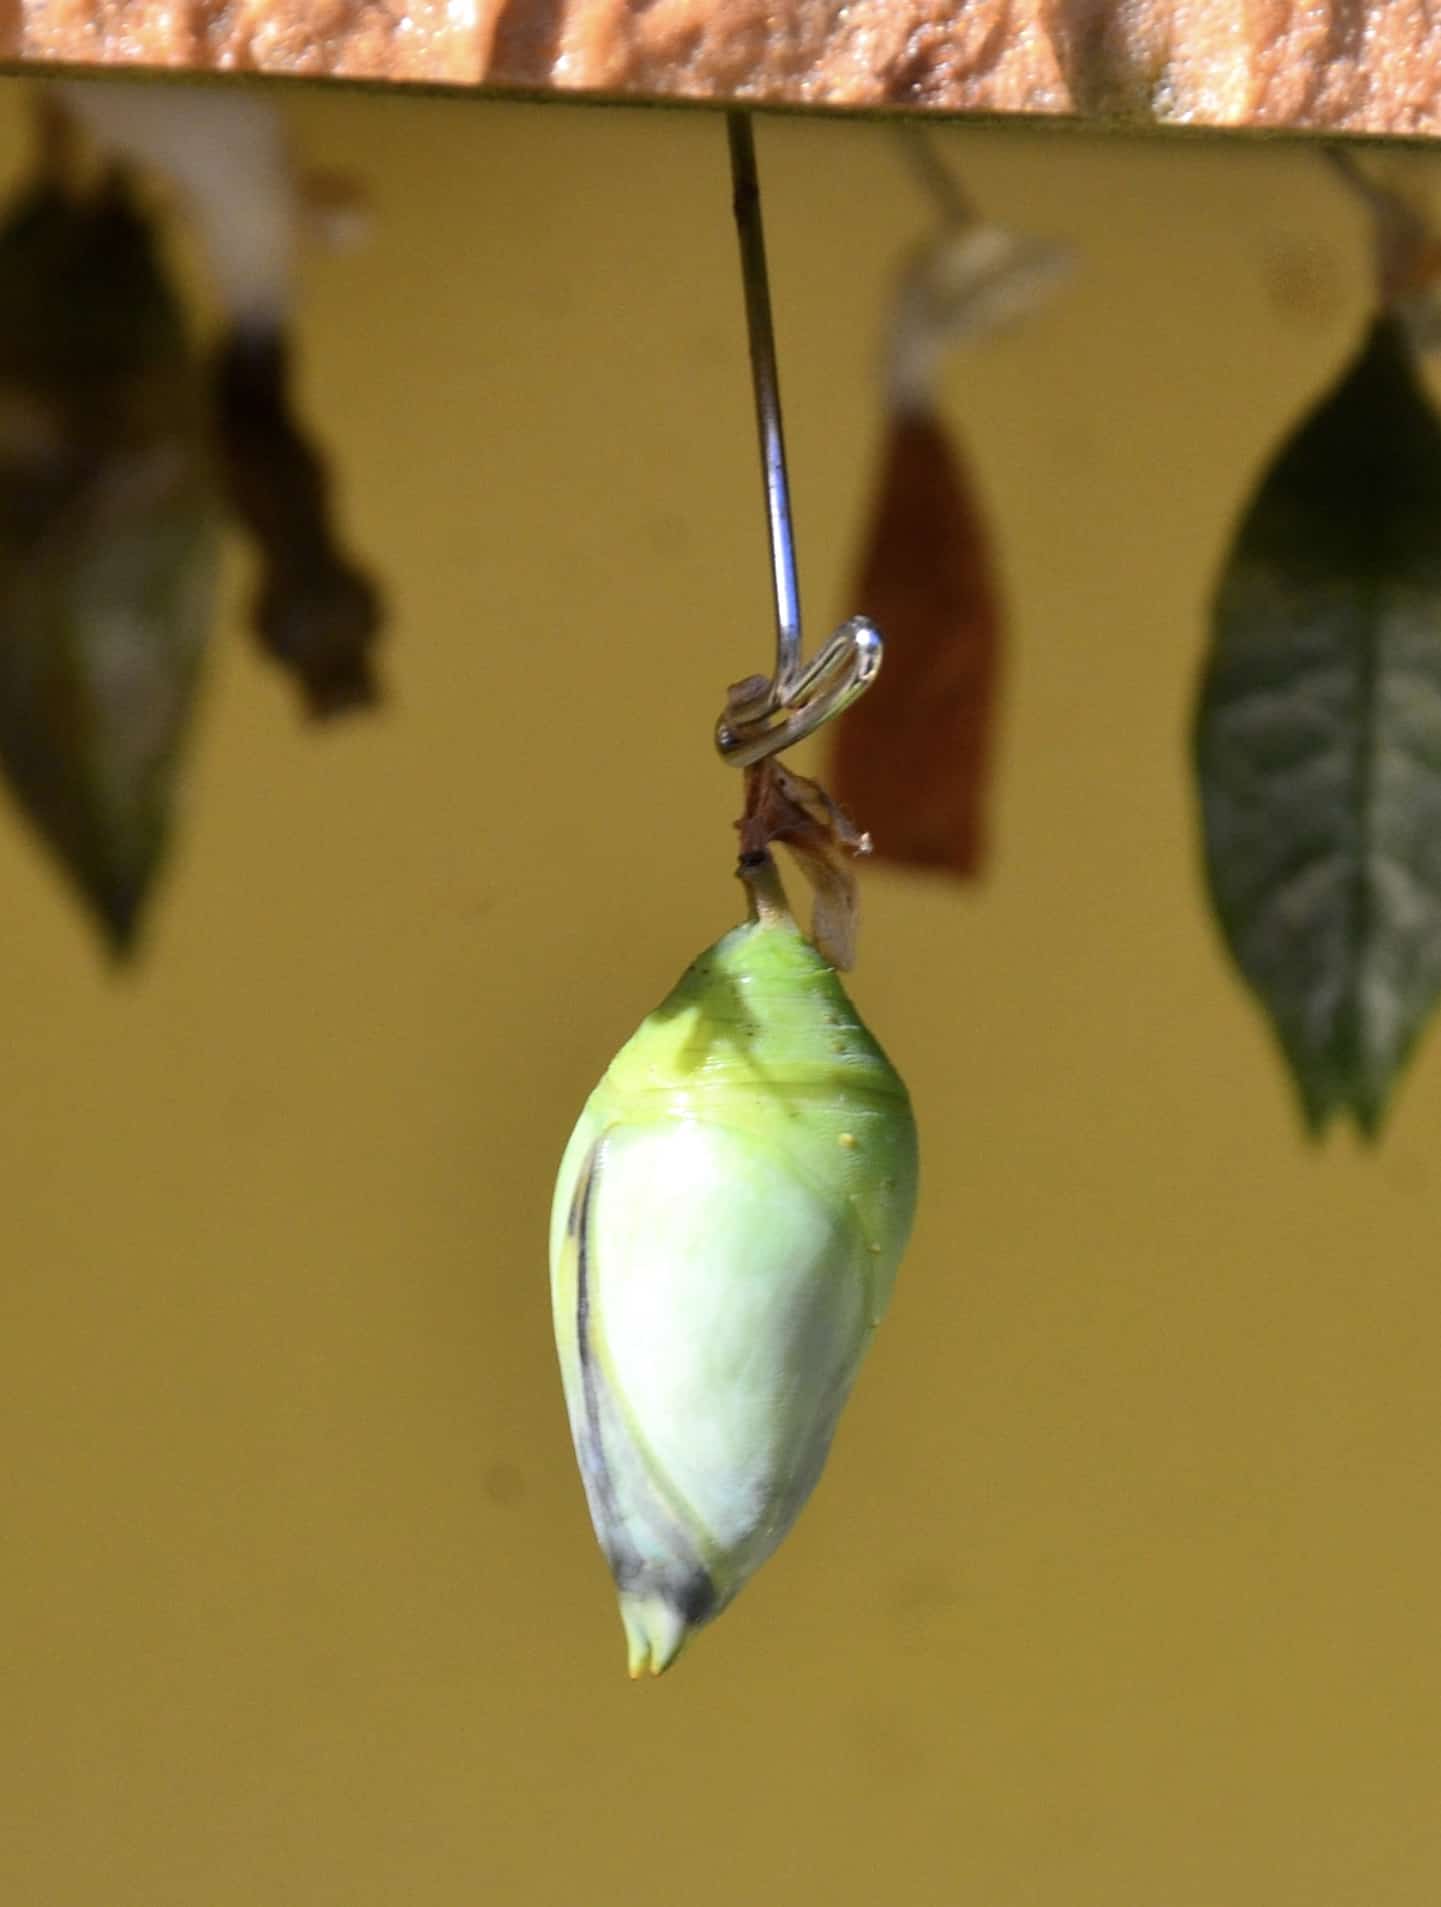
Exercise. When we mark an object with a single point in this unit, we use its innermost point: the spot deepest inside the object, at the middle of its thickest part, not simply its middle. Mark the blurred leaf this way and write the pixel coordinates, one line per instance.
(912, 758)
(315, 612)
(108, 540)
(1318, 737)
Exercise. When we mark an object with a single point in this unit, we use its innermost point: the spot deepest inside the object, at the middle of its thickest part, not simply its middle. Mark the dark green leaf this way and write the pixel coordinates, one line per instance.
(108, 541)
(1318, 736)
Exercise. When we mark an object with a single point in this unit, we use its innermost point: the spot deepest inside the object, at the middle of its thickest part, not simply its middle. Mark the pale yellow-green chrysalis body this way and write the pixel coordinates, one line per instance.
(728, 1221)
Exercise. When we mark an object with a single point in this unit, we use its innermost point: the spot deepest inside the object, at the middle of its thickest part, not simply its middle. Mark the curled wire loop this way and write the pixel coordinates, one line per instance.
(765, 715)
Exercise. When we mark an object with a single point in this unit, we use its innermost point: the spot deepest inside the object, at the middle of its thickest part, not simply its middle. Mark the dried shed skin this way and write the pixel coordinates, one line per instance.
(1336, 65)
(314, 611)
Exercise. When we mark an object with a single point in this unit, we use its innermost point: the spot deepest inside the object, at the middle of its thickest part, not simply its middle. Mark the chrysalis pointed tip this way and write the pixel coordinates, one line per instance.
(655, 1634)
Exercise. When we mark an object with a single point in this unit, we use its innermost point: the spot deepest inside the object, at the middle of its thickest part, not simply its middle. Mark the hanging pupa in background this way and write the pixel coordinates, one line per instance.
(315, 610)
(109, 531)
(915, 756)
(1318, 725)
(728, 1221)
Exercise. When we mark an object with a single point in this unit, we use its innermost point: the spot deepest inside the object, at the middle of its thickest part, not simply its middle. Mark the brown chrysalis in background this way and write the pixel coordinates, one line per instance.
(913, 756)
(913, 759)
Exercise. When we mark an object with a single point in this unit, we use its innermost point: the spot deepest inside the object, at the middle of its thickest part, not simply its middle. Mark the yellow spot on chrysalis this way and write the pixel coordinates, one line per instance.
(847, 1141)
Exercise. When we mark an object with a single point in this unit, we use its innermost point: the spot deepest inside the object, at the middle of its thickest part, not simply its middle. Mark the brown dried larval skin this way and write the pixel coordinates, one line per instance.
(1337, 65)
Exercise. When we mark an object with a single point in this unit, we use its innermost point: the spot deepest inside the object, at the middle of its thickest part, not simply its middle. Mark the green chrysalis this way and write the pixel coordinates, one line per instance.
(728, 1221)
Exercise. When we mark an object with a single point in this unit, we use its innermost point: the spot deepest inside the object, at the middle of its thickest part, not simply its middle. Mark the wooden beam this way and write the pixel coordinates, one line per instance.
(1355, 66)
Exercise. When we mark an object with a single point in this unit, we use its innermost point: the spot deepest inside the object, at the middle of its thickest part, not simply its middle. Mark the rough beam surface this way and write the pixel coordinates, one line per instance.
(1369, 66)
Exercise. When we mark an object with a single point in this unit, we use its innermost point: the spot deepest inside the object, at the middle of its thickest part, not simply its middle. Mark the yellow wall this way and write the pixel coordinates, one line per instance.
(1121, 1586)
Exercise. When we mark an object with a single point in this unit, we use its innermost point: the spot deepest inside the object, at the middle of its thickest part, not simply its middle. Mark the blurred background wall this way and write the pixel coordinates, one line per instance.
(1121, 1585)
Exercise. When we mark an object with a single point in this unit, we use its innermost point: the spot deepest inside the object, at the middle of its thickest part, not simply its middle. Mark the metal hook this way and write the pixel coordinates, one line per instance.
(945, 191)
(764, 716)
(1379, 198)
(1404, 247)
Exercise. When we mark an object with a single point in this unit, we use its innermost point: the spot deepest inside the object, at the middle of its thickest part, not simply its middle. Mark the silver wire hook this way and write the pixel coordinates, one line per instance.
(1401, 235)
(764, 715)
(954, 205)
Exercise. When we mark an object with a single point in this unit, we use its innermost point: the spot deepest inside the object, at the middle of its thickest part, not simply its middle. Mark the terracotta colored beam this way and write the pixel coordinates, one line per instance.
(1366, 66)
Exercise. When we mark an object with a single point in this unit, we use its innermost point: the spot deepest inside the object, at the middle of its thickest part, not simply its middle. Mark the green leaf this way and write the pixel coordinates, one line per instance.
(109, 519)
(1318, 736)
